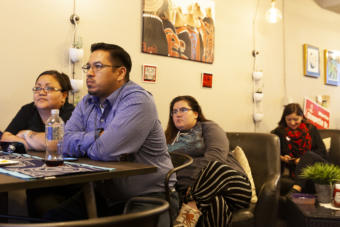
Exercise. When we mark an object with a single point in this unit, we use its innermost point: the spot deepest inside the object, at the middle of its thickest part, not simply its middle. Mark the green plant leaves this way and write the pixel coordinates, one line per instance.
(322, 173)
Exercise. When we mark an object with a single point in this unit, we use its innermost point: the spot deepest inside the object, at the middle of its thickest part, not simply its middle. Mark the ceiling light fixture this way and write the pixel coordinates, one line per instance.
(273, 15)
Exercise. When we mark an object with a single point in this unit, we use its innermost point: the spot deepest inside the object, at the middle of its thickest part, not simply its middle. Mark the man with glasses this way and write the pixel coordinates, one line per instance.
(117, 120)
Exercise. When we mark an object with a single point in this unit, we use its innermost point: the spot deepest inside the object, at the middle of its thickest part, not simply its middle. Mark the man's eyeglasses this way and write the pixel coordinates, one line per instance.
(97, 67)
(45, 89)
(181, 110)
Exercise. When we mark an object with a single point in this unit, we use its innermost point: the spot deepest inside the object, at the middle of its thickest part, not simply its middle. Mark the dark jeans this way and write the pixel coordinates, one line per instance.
(75, 208)
(40, 200)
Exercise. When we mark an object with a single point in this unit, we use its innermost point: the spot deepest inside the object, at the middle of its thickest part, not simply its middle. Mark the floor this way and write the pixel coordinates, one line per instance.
(17, 206)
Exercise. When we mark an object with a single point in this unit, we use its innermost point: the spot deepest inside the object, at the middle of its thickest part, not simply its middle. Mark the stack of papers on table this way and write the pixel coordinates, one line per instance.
(5, 162)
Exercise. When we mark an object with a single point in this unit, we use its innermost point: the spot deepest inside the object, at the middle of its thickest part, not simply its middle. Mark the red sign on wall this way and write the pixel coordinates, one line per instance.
(207, 80)
(316, 114)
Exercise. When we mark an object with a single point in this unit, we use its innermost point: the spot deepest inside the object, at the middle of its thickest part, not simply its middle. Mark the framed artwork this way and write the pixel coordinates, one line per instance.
(149, 73)
(332, 67)
(311, 61)
(180, 29)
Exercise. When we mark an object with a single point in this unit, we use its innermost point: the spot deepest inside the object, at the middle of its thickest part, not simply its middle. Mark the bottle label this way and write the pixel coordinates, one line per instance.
(54, 133)
(49, 132)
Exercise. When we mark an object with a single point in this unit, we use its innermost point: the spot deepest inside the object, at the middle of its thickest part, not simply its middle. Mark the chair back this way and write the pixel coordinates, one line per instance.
(334, 151)
(147, 218)
(262, 151)
(179, 161)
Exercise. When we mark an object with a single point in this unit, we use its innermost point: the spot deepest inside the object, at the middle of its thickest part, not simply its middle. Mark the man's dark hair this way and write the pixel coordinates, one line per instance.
(118, 55)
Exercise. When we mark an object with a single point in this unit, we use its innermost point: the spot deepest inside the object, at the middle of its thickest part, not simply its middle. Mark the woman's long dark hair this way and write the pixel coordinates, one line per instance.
(171, 130)
(290, 109)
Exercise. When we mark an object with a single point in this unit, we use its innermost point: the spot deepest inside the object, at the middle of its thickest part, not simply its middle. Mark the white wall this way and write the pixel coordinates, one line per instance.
(317, 27)
(36, 35)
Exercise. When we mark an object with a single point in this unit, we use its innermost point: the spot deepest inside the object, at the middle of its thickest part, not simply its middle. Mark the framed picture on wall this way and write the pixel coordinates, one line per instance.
(311, 61)
(149, 73)
(179, 29)
(332, 67)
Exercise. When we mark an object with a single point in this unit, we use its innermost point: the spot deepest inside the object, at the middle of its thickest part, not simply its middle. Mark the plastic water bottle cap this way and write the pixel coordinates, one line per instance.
(55, 111)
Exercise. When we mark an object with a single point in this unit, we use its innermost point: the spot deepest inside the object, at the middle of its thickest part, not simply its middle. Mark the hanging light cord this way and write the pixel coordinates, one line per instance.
(74, 41)
(75, 23)
(284, 50)
(254, 53)
(254, 34)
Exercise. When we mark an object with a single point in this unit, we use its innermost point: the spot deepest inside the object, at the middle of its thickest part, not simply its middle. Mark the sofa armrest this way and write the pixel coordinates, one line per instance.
(267, 204)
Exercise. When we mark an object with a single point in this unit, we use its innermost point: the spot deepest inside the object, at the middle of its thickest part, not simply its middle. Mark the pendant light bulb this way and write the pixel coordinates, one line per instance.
(273, 15)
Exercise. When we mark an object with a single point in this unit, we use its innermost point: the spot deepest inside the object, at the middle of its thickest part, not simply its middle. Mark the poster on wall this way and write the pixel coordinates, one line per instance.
(179, 28)
(318, 115)
(332, 67)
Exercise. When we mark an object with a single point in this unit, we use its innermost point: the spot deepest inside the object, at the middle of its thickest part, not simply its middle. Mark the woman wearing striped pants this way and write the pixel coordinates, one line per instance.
(214, 185)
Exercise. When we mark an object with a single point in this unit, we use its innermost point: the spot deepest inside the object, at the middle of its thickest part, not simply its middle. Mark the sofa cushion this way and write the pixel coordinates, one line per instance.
(239, 155)
(327, 141)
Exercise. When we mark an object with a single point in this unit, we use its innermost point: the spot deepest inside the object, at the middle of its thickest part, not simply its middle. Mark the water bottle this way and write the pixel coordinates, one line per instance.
(54, 131)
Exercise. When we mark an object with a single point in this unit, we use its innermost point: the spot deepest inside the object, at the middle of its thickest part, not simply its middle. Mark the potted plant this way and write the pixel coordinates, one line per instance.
(323, 175)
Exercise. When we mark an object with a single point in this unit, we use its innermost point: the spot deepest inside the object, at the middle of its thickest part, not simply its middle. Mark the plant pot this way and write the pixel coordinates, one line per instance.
(77, 85)
(76, 54)
(257, 75)
(258, 96)
(258, 117)
(323, 192)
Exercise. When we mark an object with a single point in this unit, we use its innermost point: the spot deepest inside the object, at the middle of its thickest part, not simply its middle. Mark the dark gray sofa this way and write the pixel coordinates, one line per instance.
(263, 154)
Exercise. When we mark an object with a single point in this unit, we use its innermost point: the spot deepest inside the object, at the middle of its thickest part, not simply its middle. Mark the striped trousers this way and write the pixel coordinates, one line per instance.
(218, 191)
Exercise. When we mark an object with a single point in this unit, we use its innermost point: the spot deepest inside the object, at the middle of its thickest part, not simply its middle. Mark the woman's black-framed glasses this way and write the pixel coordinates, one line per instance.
(47, 89)
(180, 110)
(97, 67)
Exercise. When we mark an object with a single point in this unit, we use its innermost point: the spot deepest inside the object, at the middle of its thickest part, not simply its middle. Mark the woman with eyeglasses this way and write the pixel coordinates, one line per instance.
(215, 184)
(28, 126)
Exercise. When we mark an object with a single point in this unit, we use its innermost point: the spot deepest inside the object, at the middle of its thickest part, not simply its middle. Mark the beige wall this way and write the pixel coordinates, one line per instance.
(35, 36)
